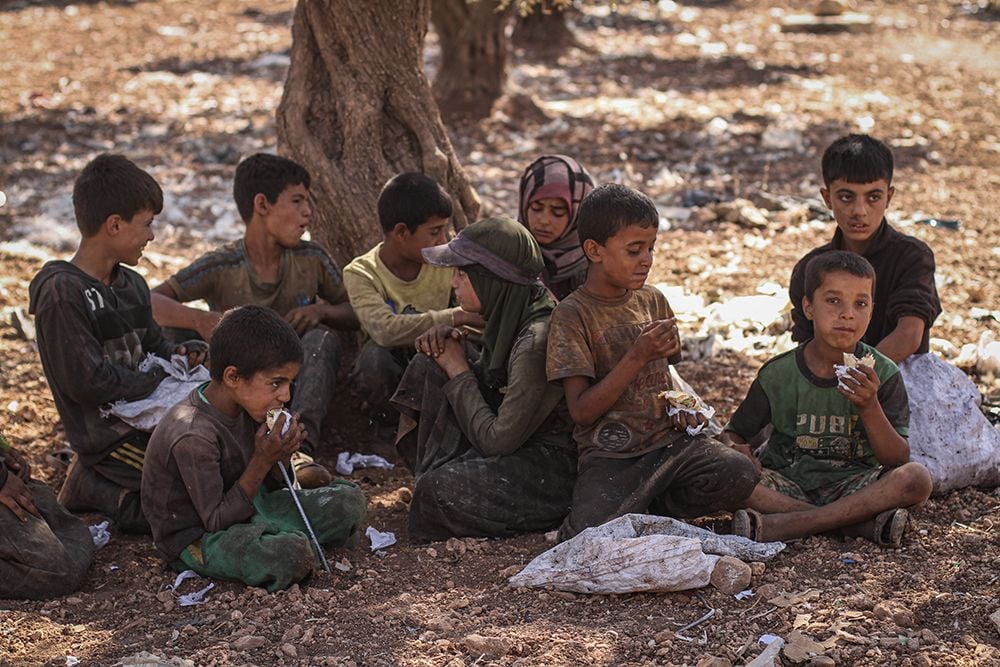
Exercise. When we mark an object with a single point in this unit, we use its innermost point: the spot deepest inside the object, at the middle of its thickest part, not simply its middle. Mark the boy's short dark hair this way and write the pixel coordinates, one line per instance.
(610, 208)
(266, 174)
(113, 185)
(412, 198)
(252, 339)
(833, 261)
(857, 158)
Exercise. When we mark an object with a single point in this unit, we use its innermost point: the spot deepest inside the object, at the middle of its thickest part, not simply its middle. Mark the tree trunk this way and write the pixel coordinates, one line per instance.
(544, 31)
(357, 109)
(474, 50)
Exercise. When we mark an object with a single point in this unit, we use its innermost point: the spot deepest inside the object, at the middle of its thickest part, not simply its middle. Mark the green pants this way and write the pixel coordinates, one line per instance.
(273, 550)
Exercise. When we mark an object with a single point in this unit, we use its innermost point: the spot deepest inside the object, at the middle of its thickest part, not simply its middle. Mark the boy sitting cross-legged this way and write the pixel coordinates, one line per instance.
(611, 343)
(395, 293)
(838, 456)
(211, 489)
(95, 326)
(272, 266)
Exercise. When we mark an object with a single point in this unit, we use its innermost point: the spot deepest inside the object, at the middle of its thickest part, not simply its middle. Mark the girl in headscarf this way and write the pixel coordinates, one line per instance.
(551, 190)
(490, 443)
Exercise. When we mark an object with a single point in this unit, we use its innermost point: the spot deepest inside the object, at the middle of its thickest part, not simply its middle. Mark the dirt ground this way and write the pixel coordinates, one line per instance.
(671, 98)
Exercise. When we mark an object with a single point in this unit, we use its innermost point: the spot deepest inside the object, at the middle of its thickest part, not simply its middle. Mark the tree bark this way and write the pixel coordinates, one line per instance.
(474, 47)
(357, 109)
(544, 31)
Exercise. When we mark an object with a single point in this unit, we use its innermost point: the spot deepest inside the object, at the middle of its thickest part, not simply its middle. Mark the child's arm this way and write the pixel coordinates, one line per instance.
(385, 327)
(338, 316)
(589, 402)
(168, 311)
(890, 448)
(904, 340)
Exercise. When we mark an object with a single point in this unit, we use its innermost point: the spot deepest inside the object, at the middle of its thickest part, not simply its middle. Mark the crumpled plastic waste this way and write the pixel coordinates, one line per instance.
(347, 462)
(99, 533)
(146, 413)
(379, 539)
(198, 597)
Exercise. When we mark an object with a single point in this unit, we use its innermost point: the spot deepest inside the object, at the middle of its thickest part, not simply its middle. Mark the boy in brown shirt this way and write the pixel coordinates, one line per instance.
(272, 266)
(611, 345)
(210, 488)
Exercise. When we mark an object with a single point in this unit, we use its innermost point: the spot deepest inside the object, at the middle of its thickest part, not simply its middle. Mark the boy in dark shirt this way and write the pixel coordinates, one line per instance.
(611, 344)
(210, 485)
(95, 325)
(838, 456)
(272, 266)
(857, 173)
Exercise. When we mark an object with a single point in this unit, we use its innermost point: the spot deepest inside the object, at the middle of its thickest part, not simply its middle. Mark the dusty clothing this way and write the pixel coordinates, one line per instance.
(273, 549)
(689, 477)
(486, 463)
(904, 285)
(315, 383)
(43, 558)
(190, 490)
(91, 338)
(394, 312)
(226, 279)
(589, 337)
(818, 440)
(562, 177)
(376, 374)
(823, 495)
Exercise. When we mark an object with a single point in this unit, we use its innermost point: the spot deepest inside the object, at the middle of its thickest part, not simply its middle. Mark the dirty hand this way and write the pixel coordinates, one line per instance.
(15, 496)
(467, 319)
(862, 386)
(17, 464)
(432, 342)
(305, 318)
(685, 420)
(658, 340)
(196, 352)
(452, 360)
(274, 446)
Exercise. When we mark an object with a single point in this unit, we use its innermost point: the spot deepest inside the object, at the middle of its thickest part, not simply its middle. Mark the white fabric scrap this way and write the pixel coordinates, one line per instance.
(379, 539)
(347, 462)
(181, 578)
(742, 595)
(146, 413)
(99, 533)
(198, 597)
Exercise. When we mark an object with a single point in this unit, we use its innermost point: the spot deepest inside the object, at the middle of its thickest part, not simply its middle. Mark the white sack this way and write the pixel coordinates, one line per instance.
(949, 434)
(638, 552)
(146, 413)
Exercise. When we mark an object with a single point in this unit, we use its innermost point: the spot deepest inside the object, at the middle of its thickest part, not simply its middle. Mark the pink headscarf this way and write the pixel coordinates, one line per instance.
(557, 176)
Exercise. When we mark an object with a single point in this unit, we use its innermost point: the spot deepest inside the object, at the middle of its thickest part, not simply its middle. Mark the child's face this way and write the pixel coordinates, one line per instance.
(287, 219)
(264, 390)
(625, 260)
(548, 219)
(858, 207)
(464, 292)
(840, 309)
(426, 235)
(131, 236)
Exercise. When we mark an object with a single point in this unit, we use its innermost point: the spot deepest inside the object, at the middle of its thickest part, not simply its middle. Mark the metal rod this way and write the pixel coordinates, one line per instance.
(305, 519)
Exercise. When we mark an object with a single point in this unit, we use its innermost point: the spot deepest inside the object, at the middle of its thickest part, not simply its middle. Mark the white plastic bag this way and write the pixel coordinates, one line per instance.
(146, 413)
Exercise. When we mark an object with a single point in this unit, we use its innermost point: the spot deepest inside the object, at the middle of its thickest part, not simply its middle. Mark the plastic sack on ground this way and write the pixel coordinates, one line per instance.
(948, 433)
(638, 552)
(146, 413)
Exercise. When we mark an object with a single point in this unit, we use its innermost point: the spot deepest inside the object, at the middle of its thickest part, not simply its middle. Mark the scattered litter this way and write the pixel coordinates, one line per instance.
(347, 462)
(198, 597)
(744, 594)
(147, 659)
(181, 578)
(99, 533)
(767, 640)
(848, 561)
(952, 225)
(638, 552)
(379, 539)
(72, 660)
(769, 656)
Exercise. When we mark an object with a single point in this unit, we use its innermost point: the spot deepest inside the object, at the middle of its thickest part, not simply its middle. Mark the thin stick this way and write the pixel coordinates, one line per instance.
(305, 519)
(710, 614)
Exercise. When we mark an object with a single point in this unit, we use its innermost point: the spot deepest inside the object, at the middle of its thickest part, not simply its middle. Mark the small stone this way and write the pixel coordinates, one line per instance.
(74, 600)
(830, 8)
(757, 569)
(767, 592)
(235, 615)
(927, 636)
(922, 660)
(714, 661)
(432, 552)
(731, 575)
(995, 617)
(289, 650)
(664, 636)
(248, 643)
(822, 661)
(480, 644)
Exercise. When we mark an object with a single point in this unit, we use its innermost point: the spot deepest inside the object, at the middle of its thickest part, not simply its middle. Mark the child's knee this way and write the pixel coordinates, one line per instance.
(916, 482)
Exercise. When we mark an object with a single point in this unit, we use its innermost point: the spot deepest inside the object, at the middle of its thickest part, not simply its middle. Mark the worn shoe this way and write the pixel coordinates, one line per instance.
(85, 491)
(309, 474)
(747, 523)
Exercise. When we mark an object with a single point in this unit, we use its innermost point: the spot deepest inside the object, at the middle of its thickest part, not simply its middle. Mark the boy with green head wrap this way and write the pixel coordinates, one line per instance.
(489, 443)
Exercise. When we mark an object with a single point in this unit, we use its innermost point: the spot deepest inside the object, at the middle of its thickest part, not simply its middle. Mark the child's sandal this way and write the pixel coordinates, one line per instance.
(889, 528)
(747, 523)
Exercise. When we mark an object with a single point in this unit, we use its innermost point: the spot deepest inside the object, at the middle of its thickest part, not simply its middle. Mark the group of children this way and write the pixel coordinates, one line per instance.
(523, 360)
